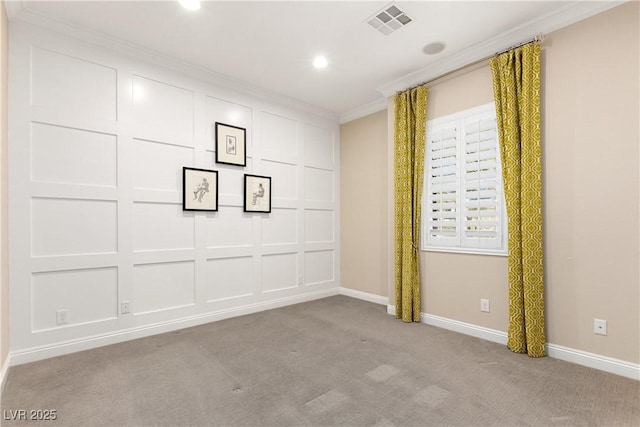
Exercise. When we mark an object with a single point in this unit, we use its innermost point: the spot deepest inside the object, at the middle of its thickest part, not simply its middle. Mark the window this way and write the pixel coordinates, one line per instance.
(463, 205)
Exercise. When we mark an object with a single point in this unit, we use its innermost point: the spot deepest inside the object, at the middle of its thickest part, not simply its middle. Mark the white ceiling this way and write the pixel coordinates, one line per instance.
(269, 45)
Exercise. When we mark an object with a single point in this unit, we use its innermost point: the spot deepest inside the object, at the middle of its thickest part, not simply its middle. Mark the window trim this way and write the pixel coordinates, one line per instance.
(460, 117)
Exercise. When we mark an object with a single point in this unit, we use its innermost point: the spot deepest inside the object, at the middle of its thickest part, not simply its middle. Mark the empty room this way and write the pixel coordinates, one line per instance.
(320, 213)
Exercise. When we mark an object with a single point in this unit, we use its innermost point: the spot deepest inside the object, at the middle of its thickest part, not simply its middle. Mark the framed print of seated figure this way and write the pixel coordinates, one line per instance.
(257, 193)
(199, 189)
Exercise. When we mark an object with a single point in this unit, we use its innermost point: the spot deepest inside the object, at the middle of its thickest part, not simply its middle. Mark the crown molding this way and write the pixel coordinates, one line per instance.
(364, 110)
(120, 46)
(544, 24)
(18, 10)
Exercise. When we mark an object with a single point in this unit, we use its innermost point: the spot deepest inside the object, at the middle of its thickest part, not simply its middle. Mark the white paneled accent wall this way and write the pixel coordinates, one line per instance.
(97, 143)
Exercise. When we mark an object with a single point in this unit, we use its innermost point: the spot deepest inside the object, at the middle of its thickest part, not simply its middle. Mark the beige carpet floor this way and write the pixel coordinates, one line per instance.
(332, 362)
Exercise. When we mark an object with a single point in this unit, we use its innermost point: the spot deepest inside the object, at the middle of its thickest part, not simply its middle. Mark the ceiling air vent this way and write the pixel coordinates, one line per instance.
(389, 19)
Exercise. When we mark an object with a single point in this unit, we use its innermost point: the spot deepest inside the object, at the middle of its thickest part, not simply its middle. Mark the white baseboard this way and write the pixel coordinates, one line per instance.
(4, 370)
(391, 309)
(59, 349)
(365, 296)
(603, 363)
(465, 328)
(596, 361)
(579, 357)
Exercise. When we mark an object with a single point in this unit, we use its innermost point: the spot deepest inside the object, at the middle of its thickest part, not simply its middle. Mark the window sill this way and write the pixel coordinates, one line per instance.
(468, 251)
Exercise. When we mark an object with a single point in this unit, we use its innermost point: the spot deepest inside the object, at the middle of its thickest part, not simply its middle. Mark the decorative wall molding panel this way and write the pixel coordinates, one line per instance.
(97, 142)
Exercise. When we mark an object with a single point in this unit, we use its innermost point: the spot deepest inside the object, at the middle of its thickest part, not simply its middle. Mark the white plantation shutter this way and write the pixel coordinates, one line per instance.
(481, 202)
(442, 186)
(463, 204)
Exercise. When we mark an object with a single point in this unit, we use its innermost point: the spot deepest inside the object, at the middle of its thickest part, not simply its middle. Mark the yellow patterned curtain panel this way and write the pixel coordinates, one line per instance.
(516, 86)
(409, 142)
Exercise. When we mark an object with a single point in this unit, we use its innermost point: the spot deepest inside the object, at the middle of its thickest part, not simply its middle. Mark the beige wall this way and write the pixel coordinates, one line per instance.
(363, 201)
(4, 259)
(590, 112)
(591, 140)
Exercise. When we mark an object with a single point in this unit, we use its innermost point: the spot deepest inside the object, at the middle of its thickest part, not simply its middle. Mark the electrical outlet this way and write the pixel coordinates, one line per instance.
(484, 305)
(125, 307)
(599, 327)
(62, 317)
(300, 279)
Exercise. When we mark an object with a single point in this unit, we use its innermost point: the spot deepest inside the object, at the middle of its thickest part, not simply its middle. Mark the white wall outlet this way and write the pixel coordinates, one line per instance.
(125, 307)
(300, 279)
(599, 326)
(484, 305)
(62, 317)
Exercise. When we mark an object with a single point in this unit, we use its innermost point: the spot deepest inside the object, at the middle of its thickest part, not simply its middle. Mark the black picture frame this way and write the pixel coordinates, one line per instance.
(202, 184)
(231, 144)
(257, 193)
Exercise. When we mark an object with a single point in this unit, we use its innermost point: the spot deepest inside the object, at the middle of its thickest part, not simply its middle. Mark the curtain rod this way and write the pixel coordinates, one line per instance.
(537, 39)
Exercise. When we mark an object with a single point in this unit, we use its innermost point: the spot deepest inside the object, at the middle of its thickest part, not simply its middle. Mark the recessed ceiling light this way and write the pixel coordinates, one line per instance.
(320, 62)
(433, 48)
(190, 4)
